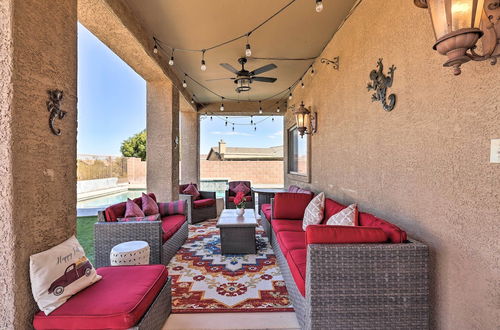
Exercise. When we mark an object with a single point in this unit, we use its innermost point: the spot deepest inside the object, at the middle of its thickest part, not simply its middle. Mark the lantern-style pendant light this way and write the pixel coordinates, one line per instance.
(458, 25)
(305, 120)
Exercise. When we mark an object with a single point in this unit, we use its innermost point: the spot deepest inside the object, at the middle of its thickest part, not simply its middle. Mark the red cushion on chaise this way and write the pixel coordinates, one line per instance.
(113, 212)
(290, 205)
(171, 224)
(286, 225)
(118, 301)
(296, 260)
(200, 203)
(325, 234)
(396, 235)
(291, 240)
(266, 209)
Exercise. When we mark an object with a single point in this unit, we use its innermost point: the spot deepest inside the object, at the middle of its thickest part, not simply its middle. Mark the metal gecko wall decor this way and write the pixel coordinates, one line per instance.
(379, 83)
(53, 106)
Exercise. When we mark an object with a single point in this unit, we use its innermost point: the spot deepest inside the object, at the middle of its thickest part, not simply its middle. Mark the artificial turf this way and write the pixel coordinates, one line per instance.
(85, 235)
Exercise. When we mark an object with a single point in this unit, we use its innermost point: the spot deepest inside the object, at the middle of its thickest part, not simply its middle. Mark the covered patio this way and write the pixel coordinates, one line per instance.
(371, 119)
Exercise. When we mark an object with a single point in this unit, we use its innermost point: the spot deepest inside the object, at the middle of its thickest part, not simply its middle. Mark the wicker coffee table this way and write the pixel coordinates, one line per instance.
(237, 233)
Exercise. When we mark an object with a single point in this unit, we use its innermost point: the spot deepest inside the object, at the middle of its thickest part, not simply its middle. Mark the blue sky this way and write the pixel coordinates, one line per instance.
(112, 107)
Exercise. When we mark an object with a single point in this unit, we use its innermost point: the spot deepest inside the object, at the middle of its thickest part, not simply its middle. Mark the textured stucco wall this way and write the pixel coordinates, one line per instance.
(189, 148)
(425, 165)
(38, 169)
(162, 130)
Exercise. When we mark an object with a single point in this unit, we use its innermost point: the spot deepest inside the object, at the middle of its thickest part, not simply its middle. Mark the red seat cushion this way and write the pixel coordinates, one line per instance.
(247, 198)
(171, 224)
(290, 205)
(396, 235)
(200, 203)
(325, 234)
(117, 301)
(286, 225)
(266, 209)
(291, 240)
(297, 261)
(113, 212)
(331, 208)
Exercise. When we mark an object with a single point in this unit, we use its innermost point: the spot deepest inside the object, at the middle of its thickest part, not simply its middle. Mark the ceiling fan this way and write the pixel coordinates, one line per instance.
(244, 77)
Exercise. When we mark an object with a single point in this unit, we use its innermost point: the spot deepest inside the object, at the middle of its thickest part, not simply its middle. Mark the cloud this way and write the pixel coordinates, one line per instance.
(276, 135)
(231, 133)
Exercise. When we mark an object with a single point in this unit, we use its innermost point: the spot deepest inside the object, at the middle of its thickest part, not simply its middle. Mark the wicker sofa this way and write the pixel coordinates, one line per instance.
(164, 237)
(230, 194)
(349, 286)
(200, 209)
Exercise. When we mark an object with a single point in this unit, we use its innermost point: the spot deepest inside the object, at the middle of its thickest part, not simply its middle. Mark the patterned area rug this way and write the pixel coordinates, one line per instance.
(205, 281)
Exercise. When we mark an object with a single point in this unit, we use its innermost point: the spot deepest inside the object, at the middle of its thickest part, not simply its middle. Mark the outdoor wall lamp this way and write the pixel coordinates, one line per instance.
(458, 25)
(305, 119)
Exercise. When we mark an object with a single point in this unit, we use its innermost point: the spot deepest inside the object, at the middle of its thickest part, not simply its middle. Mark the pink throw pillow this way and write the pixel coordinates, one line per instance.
(241, 188)
(132, 209)
(149, 206)
(191, 190)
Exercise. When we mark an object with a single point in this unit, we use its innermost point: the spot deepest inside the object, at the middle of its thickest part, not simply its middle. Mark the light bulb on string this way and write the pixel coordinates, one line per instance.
(210, 118)
(312, 70)
(319, 5)
(203, 64)
(222, 104)
(260, 107)
(233, 127)
(255, 128)
(155, 49)
(302, 84)
(248, 50)
(290, 95)
(272, 118)
(278, 110)
(171, 62)
(226, 123)
(192, 98)
(251, 120)
(184, 83)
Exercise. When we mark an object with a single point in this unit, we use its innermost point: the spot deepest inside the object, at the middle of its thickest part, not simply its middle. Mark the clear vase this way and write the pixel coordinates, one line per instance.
(240, 211)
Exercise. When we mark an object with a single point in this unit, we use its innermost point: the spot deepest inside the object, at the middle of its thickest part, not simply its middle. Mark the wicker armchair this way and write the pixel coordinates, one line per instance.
(204, 208)
(110, 233)
(249, 204)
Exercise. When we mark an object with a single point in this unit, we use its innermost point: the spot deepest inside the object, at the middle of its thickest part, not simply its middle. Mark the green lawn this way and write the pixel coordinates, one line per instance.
(85, 235)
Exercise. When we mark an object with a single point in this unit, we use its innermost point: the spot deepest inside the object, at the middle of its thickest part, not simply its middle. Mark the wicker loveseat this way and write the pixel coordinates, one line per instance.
(164, 237)
(349, 286)
(200, 209)
(230, 194)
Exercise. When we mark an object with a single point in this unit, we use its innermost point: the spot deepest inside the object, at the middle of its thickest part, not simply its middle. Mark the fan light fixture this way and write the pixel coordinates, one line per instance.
(459, 24)
(305, 119)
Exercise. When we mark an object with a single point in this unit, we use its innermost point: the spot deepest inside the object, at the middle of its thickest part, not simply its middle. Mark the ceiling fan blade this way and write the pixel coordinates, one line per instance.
(229, 67)
(264, 79)
(219, 79)
(263, 69)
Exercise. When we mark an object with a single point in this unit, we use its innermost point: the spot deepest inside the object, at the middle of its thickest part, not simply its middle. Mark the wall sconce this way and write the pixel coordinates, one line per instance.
(305, 119)
(458, 25)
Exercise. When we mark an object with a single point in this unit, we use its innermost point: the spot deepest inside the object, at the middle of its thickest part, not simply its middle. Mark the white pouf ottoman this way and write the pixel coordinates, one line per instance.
(130, 253)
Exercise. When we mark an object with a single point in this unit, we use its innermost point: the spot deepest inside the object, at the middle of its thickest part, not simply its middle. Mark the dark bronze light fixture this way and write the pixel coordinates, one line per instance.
(459, 24)
(305, 119)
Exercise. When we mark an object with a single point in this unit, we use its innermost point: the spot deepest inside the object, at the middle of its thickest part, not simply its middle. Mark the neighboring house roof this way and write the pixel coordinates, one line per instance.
(239, 153)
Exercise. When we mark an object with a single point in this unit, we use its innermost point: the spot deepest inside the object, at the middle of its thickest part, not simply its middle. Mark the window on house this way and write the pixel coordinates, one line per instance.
(297, 152)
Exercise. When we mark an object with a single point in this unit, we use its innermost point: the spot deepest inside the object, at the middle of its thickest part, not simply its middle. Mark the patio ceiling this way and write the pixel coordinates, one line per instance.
(298, 32)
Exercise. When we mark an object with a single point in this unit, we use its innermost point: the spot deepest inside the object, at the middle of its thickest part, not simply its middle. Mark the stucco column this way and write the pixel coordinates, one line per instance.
(190, 147)
(162, 140)
(38, 51)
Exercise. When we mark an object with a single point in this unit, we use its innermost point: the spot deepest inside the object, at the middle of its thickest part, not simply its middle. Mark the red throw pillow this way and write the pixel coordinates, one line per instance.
(149, 206)
(191, 190)
(132, 209)
(325, 234)
(241, 188)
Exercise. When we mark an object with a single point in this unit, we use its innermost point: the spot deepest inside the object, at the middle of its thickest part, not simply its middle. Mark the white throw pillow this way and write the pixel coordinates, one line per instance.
(59, 273)
(314, 211)
(346, 217)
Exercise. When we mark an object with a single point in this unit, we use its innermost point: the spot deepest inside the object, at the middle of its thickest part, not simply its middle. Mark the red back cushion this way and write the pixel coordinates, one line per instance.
(132, 209)
(115, 211)
(395, 234)
(331, 208)
(290, 205)
(192, 190)
(149, 206)
(324, 234)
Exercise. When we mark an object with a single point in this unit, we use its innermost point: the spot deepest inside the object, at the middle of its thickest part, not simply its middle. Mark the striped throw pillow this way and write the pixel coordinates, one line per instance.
(171, 208)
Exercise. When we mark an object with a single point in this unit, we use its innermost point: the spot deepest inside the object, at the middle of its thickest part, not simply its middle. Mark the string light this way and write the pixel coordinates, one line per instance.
(192, 98)
(210, 118)
(184, 83)
(222, 104)
(302, 83)
(260, 107)
(319, 5)
(312, 70)
(255, 128)
(171, 62)
(248, 50)
(233, 127)
(272, 118)
(155, 49)
(251, 120)
(290, 95)
(203, 64)
(278, 110)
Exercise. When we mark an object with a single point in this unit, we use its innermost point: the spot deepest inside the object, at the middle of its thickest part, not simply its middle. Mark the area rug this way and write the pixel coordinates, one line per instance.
(205, 281)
